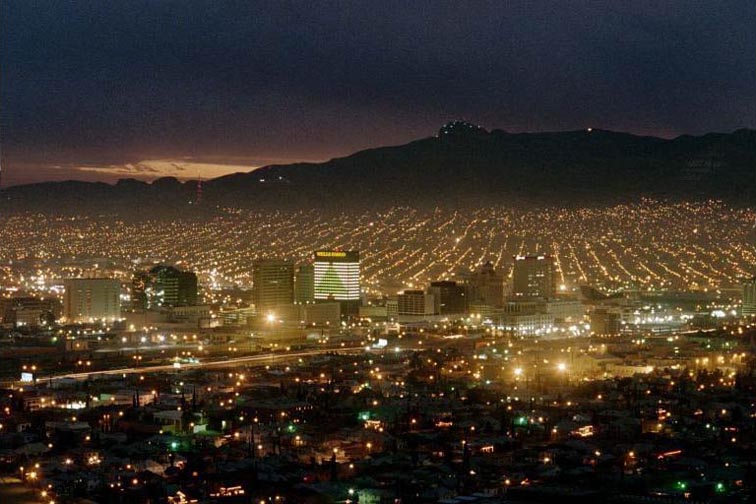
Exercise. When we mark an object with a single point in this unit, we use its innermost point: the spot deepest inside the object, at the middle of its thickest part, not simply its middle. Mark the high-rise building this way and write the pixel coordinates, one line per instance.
(448, 296)
(179, 287)
(749, 297)
(486, 286)
(90, 299)
(416, 303)
(533, 277)
(337, 278)
(164, 286)
(273, 283)
(304, 284)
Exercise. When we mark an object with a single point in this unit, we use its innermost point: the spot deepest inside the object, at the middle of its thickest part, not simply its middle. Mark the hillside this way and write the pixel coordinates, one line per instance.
(461, 165)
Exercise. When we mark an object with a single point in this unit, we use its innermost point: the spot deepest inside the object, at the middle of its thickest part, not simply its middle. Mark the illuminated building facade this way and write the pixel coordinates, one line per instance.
(337, 278)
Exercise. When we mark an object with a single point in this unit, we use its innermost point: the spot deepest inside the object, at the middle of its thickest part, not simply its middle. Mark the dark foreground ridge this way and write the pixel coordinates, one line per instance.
(462, 165)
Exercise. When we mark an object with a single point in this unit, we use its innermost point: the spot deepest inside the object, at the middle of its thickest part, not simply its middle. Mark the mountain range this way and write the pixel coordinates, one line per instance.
(461, 165)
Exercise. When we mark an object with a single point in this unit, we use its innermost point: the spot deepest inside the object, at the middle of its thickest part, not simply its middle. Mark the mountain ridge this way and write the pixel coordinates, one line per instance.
(462, 164)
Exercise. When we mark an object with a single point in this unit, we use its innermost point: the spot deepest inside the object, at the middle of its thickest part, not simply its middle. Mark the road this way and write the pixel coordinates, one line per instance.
(249, 359)
(13, 491)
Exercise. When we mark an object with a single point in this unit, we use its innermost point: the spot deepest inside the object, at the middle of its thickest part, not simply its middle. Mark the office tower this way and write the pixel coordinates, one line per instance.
(416, 303)
(337, 278)
(163, 286)
(304, 284)
(90, 299)
(449, 297)
(273, 283)
(486, 286)
(749, 297)
(534, 277)
(179, 287)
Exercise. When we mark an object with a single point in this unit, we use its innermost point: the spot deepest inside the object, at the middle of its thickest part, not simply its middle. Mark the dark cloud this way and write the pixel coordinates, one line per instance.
(119, 82)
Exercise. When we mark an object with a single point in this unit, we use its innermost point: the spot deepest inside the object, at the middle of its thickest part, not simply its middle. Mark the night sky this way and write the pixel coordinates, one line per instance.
(99, 90)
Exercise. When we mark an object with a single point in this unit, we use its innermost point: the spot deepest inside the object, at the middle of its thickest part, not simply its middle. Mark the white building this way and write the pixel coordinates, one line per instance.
(92, 299)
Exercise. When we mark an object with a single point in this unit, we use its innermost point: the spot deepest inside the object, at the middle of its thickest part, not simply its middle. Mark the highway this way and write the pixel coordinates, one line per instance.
(249, 359)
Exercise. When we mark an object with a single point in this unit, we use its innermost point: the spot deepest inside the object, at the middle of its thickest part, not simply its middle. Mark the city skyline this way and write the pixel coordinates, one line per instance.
(431, 252)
